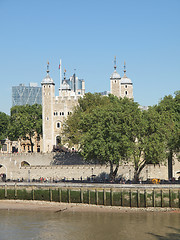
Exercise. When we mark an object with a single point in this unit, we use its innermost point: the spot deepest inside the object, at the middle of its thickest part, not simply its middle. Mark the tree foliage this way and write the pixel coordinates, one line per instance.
(25, 122)
(151, 140)
(170, 106)
(114, 130)
(100, 125)
(4, 123)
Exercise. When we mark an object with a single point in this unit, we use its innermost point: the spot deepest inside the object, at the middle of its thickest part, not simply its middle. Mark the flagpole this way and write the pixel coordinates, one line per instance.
(60, 74)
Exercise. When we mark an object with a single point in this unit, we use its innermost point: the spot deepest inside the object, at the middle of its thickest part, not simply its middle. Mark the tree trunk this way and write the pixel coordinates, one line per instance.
(31, 144)
(170, 167)
(113, 173)
(136, 175)
(137, 172)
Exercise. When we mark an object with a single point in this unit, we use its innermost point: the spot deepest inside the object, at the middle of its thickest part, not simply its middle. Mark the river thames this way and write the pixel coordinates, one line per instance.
(37, 225)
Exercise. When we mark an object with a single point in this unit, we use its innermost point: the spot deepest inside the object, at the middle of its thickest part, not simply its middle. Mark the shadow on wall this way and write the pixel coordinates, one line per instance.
(70, 158)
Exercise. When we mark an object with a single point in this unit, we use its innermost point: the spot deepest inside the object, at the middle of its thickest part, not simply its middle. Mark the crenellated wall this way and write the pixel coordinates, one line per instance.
(16, 166)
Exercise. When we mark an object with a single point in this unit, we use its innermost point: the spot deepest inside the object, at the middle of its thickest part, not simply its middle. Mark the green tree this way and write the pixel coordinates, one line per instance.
(114, 130)
(149, 140)
(72, 127)
(26, 121)
(100, 125)
(4, 123)
(171, 107)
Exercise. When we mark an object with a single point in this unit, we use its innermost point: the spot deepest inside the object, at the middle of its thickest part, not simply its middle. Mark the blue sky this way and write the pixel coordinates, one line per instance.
(87, 35)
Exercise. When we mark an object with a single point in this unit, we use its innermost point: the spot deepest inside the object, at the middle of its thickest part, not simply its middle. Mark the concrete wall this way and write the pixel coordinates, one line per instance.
(39, 166)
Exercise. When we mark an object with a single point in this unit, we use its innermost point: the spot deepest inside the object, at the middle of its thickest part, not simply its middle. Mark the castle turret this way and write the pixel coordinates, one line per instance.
(115, 85)
(126, 85)
(48, 94)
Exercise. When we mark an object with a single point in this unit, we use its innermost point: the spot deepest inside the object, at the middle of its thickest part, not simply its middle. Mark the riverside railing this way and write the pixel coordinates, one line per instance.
(125, 197)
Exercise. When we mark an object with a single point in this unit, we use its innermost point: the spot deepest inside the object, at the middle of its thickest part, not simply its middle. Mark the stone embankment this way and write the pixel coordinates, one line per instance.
(123, 195)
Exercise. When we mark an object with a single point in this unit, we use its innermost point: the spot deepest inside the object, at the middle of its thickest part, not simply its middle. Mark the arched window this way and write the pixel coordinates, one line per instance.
(58, 140)
(24, 164)
(58, 125)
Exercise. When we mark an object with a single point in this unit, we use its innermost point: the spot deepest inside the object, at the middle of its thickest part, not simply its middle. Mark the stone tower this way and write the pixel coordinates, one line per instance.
(120, 87)
(55, 109)
(48, 95)
(115, 81)
(126, 85)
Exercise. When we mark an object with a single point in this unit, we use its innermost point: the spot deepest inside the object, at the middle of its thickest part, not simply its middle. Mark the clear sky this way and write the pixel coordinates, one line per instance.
(86, 35)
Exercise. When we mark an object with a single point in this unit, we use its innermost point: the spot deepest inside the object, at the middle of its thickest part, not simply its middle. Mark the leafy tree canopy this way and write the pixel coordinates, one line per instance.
(101, 126)
(151, 142)
(25, 122)
(171, 106)
(4, 123)
(114, 130)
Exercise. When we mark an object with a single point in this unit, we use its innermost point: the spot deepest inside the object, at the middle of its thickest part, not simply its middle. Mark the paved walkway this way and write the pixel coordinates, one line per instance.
(93, 185)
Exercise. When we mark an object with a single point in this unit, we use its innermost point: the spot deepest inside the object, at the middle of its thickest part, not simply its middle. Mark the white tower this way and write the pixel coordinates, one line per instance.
(48, 95)
(126, 85)
(115, 85)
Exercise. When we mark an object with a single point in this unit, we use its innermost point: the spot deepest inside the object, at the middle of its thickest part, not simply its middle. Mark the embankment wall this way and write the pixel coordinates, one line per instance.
(40, 166)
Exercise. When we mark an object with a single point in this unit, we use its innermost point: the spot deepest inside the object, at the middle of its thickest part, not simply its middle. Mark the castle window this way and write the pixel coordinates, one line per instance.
(58, 125)
(125, 86)
(44, 86)
(62, 113)
(47, 118)
(126, 92)
(56, 113)
(49, 86)
(79, 93)
(115, 81)
(58, 140)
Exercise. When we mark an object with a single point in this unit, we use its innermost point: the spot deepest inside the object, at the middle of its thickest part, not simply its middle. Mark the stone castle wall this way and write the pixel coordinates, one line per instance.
(39, 166)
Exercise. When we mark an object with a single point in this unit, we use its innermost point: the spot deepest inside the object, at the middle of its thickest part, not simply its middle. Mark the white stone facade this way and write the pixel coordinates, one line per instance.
(121, 87)
(57, 108)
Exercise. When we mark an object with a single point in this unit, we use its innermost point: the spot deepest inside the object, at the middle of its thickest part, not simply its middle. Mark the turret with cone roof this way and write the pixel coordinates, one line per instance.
(115, 81)
(126, 85)
(125, 79)
(47, 79)
(115, 75)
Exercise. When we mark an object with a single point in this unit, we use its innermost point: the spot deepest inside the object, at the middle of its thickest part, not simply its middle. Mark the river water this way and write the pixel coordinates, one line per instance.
(26, 225)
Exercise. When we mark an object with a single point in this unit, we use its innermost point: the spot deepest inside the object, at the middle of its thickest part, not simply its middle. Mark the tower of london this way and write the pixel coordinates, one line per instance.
(56, 108)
